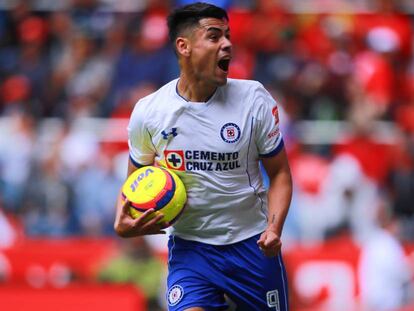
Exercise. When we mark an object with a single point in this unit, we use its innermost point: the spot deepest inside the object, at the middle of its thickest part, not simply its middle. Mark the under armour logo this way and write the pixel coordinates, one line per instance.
(173, 132)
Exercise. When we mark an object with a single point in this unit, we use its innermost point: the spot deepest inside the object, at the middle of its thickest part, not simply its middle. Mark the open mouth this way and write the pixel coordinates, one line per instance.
(223, 64)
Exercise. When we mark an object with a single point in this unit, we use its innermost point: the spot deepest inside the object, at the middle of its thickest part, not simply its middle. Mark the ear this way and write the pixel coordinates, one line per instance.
(183, 46)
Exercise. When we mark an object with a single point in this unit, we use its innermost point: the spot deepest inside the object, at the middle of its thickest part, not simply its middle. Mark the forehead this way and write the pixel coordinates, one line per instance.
(209, 23)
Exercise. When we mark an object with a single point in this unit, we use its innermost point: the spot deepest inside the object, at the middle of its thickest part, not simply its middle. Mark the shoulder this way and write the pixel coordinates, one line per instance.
(163, 94)
(154, 101)
(248, 90)
(239, 85)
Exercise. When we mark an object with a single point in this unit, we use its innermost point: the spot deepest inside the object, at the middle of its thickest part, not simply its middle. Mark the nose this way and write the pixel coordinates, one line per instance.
(227, 45)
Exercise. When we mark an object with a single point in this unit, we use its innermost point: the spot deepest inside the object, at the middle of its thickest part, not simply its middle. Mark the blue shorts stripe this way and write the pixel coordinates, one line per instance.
(284, 281)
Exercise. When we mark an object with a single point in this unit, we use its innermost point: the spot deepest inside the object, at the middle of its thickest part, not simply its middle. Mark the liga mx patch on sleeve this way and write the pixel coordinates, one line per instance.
(175, 294)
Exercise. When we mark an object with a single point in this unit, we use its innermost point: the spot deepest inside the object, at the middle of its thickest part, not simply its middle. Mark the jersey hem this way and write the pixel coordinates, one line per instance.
(208, 241)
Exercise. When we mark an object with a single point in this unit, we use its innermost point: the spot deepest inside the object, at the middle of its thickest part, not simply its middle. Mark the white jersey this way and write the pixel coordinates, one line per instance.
(214, 147)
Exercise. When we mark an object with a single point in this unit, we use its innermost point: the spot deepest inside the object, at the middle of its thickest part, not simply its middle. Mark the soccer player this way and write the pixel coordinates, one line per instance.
(213, 131)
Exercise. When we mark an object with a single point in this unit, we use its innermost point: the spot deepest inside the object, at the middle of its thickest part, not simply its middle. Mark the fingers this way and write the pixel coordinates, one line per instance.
(271, 251)
(262, 240)
(125, 206)
(150, 217)
(151, 222)
(269, 244)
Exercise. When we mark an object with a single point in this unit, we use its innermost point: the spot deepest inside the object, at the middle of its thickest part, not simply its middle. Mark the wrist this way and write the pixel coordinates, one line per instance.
(274, 228)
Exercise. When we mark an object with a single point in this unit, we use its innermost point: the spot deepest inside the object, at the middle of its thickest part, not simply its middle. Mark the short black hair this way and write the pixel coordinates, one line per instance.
(188, 16)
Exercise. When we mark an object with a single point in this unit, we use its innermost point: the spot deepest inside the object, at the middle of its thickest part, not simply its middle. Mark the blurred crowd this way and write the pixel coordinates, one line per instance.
(87, 60)
(69, 68)
(95, 59)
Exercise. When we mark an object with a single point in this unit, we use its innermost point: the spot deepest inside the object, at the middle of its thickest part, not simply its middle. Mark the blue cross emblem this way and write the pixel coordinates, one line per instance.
(176, 161)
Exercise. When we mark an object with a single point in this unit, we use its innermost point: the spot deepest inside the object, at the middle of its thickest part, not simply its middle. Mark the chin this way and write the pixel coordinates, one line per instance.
(221, 82)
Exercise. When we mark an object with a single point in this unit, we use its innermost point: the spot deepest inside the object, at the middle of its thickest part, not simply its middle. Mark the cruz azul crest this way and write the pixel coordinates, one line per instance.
(230, 133)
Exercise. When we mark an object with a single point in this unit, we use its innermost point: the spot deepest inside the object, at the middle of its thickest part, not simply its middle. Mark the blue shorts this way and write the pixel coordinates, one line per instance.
(200, 275)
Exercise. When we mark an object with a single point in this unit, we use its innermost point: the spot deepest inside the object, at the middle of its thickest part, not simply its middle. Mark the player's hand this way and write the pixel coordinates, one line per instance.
(127, 226)
(270, 243)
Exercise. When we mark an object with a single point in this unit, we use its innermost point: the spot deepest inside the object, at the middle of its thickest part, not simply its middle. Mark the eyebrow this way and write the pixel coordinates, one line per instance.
(226, 31)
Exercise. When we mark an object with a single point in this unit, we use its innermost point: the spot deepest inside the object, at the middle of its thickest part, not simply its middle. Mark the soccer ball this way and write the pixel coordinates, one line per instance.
(158, 188)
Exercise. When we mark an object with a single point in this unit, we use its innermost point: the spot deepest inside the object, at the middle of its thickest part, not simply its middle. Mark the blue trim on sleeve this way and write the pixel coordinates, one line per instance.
(275, 151)
(135, 162)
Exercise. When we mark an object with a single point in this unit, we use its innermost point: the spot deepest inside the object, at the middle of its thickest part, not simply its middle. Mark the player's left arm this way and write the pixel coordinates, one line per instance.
(279, 198)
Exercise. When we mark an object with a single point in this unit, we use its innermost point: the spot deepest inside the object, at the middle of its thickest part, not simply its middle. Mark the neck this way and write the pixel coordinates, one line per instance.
(195, 91)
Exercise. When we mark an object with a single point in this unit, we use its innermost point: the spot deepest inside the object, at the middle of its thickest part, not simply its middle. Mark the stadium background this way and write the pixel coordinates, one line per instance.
(70, 72)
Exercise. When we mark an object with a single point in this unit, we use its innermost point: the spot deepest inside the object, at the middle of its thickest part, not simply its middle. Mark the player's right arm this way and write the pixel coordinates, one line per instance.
(126, 226)
(141, 153)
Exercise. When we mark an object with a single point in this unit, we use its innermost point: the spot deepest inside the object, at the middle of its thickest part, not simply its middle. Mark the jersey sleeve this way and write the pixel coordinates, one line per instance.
(269, 139)
(141, 149)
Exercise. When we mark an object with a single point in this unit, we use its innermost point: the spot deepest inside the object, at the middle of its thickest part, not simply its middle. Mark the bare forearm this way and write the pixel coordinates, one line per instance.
(280, 190)
(279, 197)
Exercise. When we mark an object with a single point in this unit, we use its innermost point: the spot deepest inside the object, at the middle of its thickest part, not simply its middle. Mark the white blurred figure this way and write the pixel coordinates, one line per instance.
(349, 198)
(384, 272)
(8, 233)
(307, 212)
(16, 148)
(333, 196)
(8, 238)
(79, 147)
